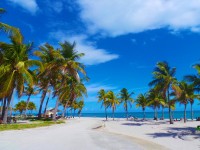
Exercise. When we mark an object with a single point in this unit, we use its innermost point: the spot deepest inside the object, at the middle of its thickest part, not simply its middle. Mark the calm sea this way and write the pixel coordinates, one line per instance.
(176, 114)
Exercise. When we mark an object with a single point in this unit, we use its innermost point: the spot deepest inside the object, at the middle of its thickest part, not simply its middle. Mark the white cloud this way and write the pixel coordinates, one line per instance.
(93, 55)
(29, 5)
(119, 17)
(94, 88)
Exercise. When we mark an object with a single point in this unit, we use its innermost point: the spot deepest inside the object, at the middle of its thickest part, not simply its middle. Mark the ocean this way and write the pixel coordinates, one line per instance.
(175, 114)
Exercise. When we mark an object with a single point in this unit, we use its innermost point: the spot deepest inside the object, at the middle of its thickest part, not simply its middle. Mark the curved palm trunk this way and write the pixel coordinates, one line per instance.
(45, 109)
(41, 102)
(191, 111)
(185, 119)
(144, 115)
(106, 114)
(113, 113)
(74, 113)
(56, 109)
(155, 114)
(27, 102)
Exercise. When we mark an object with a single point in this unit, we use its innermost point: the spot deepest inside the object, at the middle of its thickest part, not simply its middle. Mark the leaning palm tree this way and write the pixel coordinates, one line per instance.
(15, 69)
(164, 75)
(102, 97)
(142, 101)
(113, 101)
(51, 60)
(125, 98)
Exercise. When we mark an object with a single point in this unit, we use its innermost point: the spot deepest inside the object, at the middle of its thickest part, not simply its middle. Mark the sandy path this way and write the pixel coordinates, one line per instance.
(74, 135)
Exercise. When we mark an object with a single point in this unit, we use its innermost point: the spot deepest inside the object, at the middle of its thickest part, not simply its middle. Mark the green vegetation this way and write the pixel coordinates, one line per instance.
(56, 71)
(34, 124)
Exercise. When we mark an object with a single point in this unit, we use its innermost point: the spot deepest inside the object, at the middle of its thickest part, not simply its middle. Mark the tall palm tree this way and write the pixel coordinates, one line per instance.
(156, 101)
(185, 94)
(142, 101)
(113, 100)
(102, 97)
(51, 60)
(14, 68)
(164, 75)
(125, 98)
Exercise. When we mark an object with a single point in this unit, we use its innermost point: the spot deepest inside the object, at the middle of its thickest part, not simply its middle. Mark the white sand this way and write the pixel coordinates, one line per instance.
(178, 136)
(83, 134)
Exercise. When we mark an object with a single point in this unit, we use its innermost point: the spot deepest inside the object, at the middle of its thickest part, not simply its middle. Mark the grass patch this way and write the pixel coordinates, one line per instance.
(35, 124)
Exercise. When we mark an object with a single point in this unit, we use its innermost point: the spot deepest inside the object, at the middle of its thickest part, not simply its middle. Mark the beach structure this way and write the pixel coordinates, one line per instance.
(50, 112)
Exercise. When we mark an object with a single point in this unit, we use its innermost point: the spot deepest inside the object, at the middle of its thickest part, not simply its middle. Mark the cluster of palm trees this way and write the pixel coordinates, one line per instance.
(54, 71)
(165, 91)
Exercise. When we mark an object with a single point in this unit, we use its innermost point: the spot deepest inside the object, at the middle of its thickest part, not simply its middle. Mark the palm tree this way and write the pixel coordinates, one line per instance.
(156, 101)
(20, 106)
(164, 75)
(142, 101)
(14, 68)
(125, 97)
(31, 106)
(80, 107)
(50, 59)
(102, 97)
(185, 94)
(112, 99)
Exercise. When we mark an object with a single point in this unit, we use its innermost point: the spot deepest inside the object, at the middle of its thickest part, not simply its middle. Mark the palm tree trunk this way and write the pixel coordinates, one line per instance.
(144, 115)
(5, 117)
(185, 113)
(170, 113)
(106, 114)
(27, 102)
(45, 109)
(113, 113)
(126, 112)
(191, 111)
(42, 101)
(55, 109)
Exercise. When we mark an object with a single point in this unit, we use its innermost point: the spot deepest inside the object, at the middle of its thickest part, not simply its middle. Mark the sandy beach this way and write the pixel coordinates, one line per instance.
(94, 133)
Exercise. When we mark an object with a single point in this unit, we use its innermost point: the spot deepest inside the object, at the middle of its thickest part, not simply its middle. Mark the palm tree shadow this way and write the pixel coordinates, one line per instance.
(187, 133)
(133, 124)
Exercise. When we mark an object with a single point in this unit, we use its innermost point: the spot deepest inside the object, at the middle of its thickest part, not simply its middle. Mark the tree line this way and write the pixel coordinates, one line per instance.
(55, 71)
(165, 91)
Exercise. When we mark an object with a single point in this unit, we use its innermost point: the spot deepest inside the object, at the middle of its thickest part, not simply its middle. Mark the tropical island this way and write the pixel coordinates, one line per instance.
(55, 73)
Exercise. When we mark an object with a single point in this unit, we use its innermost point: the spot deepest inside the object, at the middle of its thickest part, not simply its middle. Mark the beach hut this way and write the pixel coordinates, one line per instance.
(50, 112)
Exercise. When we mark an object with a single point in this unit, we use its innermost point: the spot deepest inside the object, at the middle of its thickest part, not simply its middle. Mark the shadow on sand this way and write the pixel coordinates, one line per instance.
(187, 133)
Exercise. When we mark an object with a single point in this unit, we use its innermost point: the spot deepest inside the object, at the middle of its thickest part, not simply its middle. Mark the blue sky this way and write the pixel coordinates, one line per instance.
(122, 39)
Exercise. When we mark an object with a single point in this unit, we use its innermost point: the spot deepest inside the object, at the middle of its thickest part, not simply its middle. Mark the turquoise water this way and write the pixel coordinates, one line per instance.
(176, 114)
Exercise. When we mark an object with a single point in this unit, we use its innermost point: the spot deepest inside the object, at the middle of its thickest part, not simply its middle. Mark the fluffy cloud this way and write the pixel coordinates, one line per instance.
(93, 55)
(119, 17)
(29, 5)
